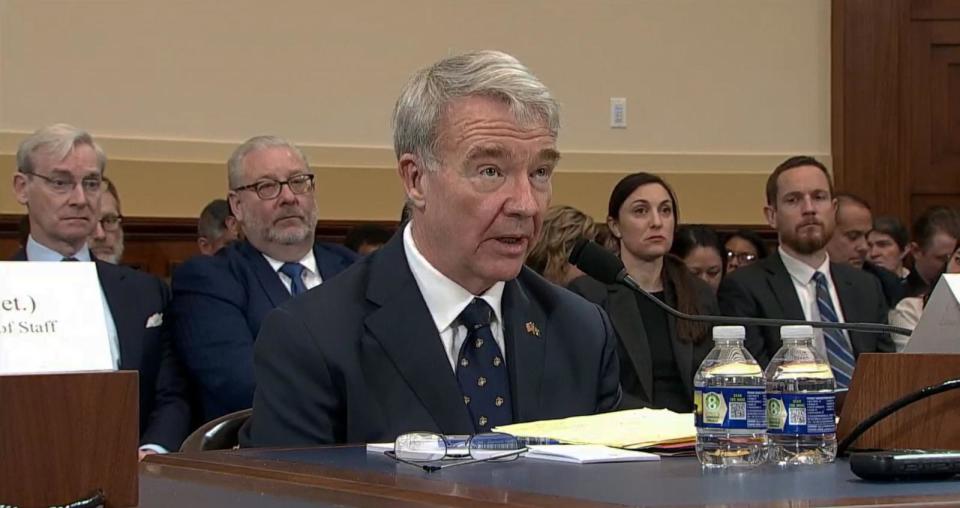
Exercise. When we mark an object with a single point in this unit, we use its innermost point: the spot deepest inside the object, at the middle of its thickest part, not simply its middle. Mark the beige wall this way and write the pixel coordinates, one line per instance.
(718, 92)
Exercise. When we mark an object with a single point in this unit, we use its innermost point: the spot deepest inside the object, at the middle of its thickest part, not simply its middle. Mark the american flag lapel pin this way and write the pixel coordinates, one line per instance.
(532, 329)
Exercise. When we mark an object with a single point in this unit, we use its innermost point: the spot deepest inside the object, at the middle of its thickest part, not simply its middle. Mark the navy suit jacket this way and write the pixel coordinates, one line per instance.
(133, 296)
(360, 359)
(765, 289)
(218, 305)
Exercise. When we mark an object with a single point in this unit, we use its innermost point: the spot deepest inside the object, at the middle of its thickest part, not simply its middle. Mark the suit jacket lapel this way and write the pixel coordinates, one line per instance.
(782, 287)
(849, 305)
(113, 285)
(626, 319)
(327, 265)
(20, 255)
(525, 335)
(682, 349)
(269, 280)
(403, 327)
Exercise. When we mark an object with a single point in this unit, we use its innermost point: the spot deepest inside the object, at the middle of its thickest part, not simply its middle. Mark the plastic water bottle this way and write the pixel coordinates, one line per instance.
(801, 422)
(729, 395)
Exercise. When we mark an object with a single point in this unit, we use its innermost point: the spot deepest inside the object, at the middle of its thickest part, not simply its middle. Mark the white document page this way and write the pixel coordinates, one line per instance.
(51, 318)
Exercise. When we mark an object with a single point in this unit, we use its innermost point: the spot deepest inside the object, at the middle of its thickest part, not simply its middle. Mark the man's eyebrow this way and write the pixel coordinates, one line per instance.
(550, 155)
(485, 152)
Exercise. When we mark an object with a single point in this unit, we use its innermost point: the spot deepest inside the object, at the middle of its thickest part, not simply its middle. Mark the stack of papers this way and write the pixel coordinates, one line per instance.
(586, 454)
(633, 429)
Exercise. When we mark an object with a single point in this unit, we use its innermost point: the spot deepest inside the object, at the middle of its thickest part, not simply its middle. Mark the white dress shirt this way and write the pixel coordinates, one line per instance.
(446, 300)
(37, 252)
(802, 276)
(311, 276)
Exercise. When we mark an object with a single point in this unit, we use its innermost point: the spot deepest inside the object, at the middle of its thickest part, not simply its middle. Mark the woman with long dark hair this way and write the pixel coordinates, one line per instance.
(659, 355)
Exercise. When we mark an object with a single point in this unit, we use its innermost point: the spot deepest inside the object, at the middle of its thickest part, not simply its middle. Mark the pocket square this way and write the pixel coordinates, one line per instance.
(155, 320)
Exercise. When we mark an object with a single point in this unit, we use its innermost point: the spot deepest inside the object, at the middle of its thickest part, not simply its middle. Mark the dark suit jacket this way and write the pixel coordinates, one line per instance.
(621, 305)
(894, 289)
(360, 360)
(765, 289)
(133, 297)
(218, 305)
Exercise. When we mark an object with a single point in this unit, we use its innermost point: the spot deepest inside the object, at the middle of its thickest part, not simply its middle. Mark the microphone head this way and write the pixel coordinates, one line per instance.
(596, 261)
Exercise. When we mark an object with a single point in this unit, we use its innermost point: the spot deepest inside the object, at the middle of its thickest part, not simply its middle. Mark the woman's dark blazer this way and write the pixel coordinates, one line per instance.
(620, 303)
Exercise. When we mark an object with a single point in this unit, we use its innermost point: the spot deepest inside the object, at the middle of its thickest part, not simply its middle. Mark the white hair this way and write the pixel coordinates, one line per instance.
(57, 140)
(488, 73)
(235, 164)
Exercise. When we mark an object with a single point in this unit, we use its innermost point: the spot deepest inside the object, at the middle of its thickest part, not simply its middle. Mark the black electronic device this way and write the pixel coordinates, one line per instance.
(906, 465)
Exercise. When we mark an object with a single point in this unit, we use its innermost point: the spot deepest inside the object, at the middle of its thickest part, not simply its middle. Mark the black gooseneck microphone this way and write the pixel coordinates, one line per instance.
(607, 268)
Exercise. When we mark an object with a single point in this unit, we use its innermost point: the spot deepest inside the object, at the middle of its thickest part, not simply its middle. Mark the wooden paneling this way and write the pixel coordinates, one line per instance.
(866, 106)
(158, 245)
(896, 102)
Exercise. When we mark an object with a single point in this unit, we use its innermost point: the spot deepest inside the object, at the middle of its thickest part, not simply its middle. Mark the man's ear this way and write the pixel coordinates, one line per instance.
(770, 213)
(915, 249)
(20, 188)
(412, 170)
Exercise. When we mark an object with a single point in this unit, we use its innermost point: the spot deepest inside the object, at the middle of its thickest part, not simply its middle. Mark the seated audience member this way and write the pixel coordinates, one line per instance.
(659, 354)
(220, 301)
(799, 281)
(106, 242)
(699, 248)
(849, 244)
(217, 227)
(366, 238)
(907, 313)
(744, 247)
(562, 227)
(934, 235)
(889, 245)
(444, 329)
(59, 179)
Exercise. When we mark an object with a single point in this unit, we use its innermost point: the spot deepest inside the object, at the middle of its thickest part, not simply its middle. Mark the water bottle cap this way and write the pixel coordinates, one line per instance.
(796, 332)
(729, 332)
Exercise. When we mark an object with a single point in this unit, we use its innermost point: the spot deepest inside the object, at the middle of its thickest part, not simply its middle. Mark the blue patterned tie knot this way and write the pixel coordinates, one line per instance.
(295, 272)
(481, 371)
(839, 351)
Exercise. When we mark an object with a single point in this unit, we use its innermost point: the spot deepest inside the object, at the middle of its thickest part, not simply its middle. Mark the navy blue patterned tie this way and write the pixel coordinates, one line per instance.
(482, 371)
(295, 272)
(838, 348)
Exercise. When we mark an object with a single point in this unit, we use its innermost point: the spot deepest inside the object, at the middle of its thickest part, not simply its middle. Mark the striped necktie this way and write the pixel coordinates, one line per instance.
(295, 272)
(839, 351)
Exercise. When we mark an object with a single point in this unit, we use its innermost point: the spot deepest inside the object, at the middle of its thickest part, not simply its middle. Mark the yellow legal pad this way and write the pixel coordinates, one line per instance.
(632, 429)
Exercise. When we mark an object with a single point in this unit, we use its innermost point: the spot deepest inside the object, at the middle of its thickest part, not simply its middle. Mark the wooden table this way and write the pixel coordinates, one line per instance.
(351, 476)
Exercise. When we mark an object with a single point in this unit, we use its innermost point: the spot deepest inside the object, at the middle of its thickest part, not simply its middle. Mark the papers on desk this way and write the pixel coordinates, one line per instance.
(633, 429)
(587, 454)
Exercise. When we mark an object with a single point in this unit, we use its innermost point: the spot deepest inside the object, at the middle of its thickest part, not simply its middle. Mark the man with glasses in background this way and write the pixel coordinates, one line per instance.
(106, 242)
(60, 180)
(220, 300)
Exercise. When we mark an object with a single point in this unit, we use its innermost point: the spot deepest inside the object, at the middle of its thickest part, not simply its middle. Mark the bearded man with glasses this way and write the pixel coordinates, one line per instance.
(220, 300)
(60, 180)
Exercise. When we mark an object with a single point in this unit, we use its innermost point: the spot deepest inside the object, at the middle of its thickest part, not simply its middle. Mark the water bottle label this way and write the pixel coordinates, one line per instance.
(801, 413)
(730, 408)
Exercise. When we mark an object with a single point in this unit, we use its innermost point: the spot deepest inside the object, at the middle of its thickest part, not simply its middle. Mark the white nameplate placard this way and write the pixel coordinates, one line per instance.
(939, 328)
(51, 318)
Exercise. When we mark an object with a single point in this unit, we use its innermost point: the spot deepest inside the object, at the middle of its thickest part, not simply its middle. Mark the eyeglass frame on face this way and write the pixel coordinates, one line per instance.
(743, 257)
(295, 180)
(66, 185)
(110, 222)
(460, 458)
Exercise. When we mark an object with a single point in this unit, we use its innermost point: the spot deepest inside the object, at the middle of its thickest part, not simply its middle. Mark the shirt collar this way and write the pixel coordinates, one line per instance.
(445, 298)
(39, 252)
(308, 261)
(800, 271)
